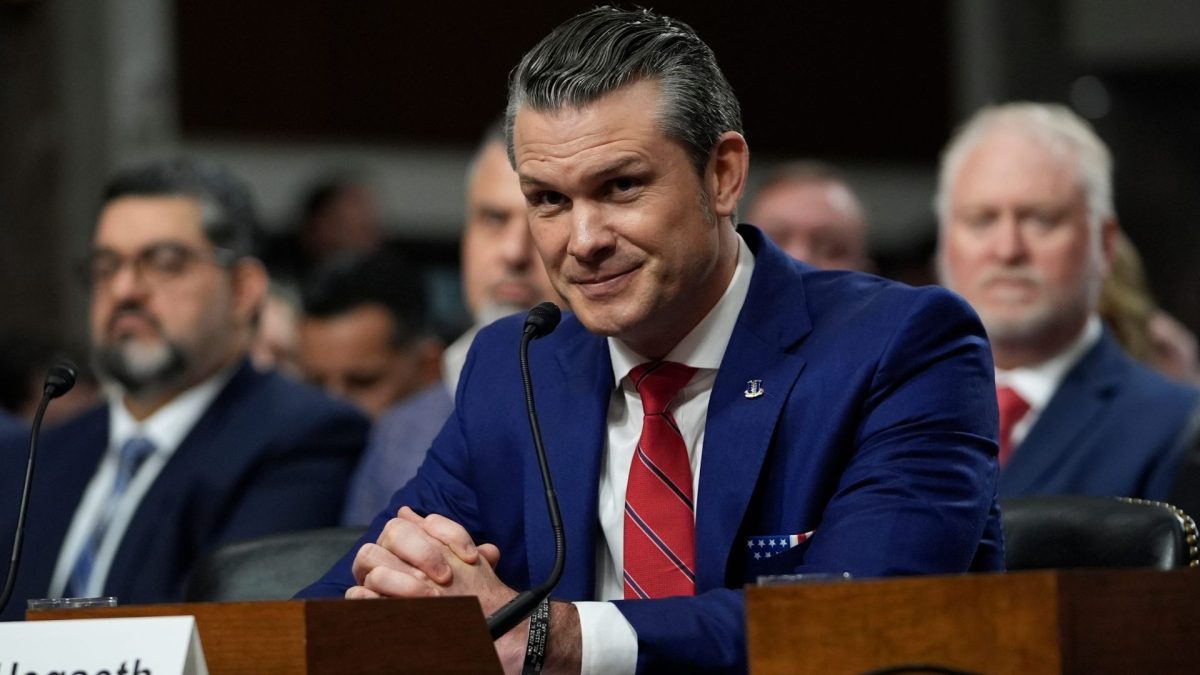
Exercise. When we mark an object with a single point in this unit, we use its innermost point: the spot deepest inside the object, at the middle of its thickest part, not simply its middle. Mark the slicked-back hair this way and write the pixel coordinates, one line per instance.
(601, 50)
(228, 214)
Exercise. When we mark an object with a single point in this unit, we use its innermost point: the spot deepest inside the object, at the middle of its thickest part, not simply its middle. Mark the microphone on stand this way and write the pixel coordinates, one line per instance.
(541, 321)
(59, 380)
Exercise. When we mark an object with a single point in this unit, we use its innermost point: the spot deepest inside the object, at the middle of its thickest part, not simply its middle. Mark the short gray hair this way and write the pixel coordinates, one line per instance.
(1059, 129)
(603, 49)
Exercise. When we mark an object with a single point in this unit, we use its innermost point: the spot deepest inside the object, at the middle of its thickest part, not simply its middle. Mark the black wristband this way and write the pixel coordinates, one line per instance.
(539, 634)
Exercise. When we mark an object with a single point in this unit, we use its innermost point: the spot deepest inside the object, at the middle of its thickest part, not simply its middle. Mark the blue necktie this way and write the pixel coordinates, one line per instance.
(133, 453)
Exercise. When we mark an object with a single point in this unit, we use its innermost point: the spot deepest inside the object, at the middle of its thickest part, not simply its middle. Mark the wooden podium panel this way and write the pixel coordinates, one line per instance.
(418, 636)
(1017, 622)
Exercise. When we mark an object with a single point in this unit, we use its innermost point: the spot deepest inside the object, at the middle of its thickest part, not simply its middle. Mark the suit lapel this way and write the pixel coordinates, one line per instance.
(208, 444)
(573, 409)
(739, 428)
(1076, 406)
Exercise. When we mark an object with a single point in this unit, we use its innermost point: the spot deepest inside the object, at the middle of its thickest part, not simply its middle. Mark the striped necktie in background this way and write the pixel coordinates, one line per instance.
(132, 455)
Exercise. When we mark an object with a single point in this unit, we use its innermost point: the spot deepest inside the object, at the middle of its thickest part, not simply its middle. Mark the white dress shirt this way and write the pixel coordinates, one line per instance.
(166, 429)
(1037, 384)
(609, 641)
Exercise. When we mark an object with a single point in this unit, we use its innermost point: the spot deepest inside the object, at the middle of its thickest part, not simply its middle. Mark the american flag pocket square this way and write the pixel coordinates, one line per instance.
(764, 546)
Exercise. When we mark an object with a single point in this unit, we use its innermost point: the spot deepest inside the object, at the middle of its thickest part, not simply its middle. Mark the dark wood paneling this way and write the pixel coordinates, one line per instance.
(818, 78)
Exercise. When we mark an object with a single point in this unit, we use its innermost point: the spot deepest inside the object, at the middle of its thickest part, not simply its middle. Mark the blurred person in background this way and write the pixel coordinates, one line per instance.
(501, 274)
(1148, 333)
(276, 343)
(339, 215)
(365, 336)
(810, 211)
(193, 447)
(1028, 234)
(501, 271)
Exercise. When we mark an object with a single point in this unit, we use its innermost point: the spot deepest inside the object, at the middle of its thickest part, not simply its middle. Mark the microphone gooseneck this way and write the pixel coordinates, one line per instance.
(59, 380)
(541, 321)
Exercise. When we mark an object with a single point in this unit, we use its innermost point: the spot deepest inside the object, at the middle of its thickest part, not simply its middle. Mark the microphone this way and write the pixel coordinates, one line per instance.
(59, 380)
(540, 322)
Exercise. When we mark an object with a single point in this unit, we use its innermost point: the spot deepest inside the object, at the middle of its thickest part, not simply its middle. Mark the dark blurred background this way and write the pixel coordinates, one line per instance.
(398, 93)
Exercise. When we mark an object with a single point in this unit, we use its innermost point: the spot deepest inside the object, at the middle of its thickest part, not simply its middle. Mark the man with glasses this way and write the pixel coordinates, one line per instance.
(194, 447)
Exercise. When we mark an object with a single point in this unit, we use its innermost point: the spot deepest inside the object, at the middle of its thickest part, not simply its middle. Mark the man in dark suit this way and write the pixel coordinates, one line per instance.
(194, 447)
(713, 410)
(1027, 236)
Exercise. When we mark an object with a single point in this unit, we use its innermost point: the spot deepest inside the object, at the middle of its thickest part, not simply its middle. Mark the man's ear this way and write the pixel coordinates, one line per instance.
(726, 174)
(250, 281)
(1110, 231)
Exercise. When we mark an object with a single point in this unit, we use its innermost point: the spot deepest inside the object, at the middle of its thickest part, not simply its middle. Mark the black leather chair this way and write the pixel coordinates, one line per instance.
(1055, 532)
(274, 567)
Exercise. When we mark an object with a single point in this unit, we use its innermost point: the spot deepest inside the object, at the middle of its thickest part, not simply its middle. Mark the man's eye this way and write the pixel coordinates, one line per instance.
(551, 199)
(1044, 219)
(979, 220)
(624, 184)
(103, 267)
(167, 260)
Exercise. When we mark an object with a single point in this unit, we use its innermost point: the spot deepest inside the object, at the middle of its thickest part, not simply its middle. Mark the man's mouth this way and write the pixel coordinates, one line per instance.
(513, 292)
(131, 323)
(605, 285)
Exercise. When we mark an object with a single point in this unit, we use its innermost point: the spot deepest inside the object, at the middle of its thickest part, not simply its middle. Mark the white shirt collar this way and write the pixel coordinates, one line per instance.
(168, 425)
(1037, 384)
(704, 346)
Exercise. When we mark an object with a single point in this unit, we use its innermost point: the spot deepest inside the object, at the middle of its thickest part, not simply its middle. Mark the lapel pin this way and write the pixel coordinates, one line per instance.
(754, 389)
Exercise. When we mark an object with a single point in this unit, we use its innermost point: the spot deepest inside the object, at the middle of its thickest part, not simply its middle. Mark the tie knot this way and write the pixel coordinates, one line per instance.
(658, 382)
(1012, 406)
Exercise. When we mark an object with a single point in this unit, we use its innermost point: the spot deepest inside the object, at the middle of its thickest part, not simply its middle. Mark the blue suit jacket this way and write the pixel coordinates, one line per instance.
(11, 426)
(876, 429)
(1112, 428)
(269, 455)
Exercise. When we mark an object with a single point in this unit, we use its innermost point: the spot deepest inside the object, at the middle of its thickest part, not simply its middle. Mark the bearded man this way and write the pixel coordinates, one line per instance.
(193, 447)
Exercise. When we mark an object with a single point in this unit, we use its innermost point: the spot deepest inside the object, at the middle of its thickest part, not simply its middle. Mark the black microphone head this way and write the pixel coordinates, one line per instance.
(542, 320)
(60, 378)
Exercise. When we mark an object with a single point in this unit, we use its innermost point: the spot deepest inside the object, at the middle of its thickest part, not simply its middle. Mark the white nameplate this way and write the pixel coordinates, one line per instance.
(166, 645)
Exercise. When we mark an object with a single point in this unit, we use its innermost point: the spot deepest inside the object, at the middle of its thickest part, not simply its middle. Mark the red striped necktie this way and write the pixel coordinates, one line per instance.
(660, 522)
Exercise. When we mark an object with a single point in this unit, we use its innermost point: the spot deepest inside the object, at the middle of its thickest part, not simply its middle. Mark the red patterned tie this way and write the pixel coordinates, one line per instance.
(660, 525)
(1012, 409)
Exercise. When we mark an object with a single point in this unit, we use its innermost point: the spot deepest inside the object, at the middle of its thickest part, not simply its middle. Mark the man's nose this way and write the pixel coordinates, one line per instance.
(127, 283)
(591, 238)
(1008, 243)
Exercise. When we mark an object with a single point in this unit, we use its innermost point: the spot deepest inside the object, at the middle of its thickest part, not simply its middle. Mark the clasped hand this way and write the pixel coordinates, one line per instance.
(419, 556)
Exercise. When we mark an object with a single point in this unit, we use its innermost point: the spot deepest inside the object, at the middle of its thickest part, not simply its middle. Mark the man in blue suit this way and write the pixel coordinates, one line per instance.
(1027, 235)
(821, 422)
(194, 447)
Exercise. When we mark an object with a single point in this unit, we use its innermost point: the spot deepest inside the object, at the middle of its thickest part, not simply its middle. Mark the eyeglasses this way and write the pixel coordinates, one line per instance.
(155, 264)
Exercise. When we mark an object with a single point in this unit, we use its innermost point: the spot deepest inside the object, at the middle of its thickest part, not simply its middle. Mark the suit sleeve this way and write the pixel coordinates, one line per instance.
(442, 485)
(914, 497)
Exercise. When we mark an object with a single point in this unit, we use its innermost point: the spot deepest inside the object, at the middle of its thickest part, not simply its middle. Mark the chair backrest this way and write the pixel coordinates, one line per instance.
(274, 567)
(1068, 531)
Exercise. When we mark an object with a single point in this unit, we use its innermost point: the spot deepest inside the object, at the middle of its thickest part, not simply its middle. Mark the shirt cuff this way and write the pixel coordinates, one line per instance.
(609, 641)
